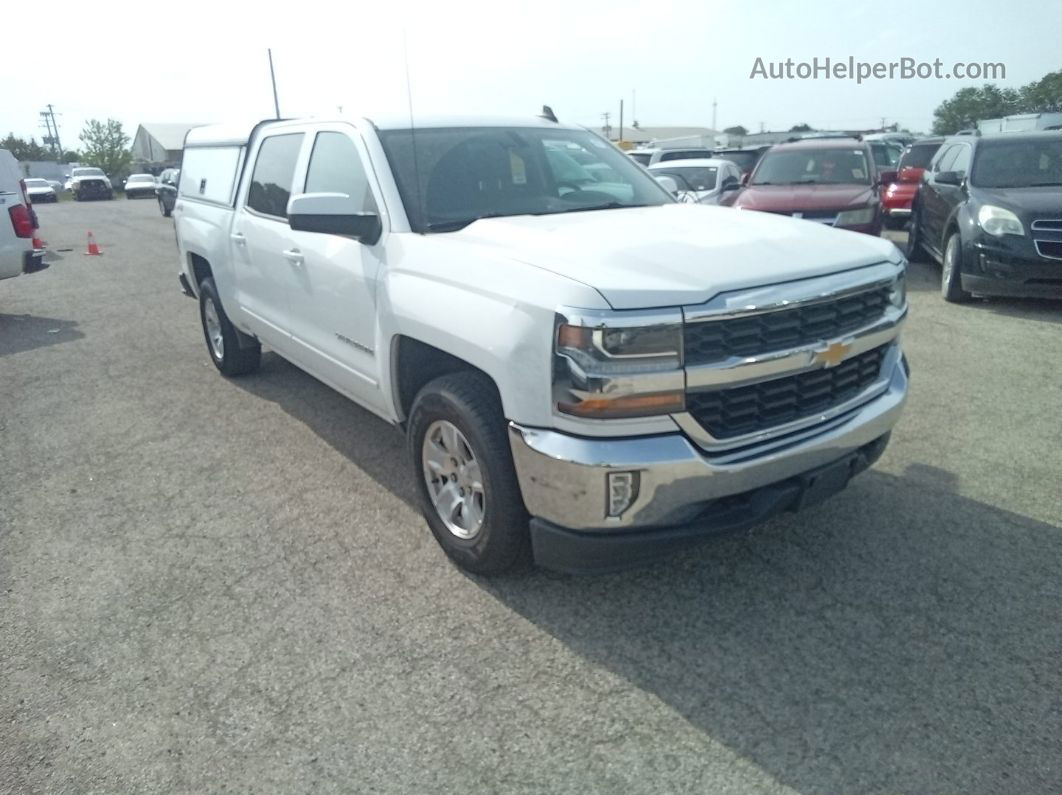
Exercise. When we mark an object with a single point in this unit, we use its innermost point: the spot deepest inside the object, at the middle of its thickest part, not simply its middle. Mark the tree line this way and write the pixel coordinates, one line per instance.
(104, 144)
(970, 105)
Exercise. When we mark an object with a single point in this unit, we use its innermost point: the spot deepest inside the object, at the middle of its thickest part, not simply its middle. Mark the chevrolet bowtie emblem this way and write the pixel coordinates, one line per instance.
(832, 355)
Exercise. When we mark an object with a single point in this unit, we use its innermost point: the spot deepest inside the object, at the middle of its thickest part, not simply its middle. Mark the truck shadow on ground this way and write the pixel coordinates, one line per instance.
(20, 333)
(898, 638)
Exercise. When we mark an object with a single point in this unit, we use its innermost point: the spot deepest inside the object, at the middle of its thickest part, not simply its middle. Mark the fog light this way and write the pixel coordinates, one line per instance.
(622, 491)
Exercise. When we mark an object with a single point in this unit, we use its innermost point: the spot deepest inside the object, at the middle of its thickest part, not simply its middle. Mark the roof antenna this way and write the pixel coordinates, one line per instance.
(412, 128)
(548, 114)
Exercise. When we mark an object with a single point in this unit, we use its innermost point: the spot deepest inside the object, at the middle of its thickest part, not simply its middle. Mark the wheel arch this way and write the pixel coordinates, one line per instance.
(414, 363)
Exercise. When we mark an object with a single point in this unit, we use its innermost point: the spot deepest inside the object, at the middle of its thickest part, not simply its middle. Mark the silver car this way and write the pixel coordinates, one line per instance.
(700, 181)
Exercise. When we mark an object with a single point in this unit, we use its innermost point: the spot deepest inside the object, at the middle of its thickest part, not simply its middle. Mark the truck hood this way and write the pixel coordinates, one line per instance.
(674, 254)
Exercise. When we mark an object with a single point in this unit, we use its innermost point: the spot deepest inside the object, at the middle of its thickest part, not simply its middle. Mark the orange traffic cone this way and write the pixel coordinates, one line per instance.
(93, 249)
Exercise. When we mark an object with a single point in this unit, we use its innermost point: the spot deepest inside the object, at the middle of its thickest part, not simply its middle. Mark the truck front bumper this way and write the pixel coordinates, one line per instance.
(681, 495)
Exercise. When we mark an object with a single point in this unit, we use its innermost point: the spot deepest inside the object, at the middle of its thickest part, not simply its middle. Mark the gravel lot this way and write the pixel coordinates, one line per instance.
(211, 585)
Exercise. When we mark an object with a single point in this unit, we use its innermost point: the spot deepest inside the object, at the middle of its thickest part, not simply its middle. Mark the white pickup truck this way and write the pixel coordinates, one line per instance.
(588, 373)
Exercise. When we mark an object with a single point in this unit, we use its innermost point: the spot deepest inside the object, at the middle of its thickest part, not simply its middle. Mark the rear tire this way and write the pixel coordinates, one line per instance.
(951, 271)
(222, 338)
(463, 467)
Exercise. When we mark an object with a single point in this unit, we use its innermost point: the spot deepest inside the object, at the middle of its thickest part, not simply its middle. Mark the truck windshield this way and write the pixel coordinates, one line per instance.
(456, 176)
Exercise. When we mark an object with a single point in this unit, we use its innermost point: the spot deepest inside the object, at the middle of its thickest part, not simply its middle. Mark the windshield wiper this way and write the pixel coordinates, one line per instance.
(588, 207)
(460, 223)
(1045, 184)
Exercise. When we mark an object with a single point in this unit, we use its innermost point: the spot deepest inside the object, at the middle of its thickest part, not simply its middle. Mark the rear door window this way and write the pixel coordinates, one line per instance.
(274, 172)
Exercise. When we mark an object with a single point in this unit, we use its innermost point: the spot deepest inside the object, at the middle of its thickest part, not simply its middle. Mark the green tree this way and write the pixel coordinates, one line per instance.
(23, 149)
(71, 156)
(738, 130)
(1043, 95)
(801, 128)
(972, 104)
(106, 147)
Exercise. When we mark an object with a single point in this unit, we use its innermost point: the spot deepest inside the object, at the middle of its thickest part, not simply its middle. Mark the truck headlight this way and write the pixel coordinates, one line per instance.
(607, 372)
(898, 293)
(864, 215)
(998, 221)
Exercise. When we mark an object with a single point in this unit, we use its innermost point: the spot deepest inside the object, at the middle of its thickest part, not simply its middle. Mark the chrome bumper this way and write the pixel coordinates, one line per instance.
(563, 478)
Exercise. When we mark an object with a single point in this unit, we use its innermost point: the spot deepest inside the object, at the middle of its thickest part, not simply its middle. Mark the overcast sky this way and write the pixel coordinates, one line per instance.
(206, 62)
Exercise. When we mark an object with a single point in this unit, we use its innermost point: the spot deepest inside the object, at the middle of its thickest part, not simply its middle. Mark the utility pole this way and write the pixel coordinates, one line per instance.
(713, 114)
(52, 126)
(49, 138)
(883, 124)
(606, 126)
(621, 121)
(634, 108)
(273, 79)
(761, 126)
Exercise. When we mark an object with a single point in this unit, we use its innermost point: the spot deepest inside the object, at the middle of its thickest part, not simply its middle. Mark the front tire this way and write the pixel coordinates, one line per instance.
(221, 336)
(915, 251)
(951, 271)
(463, 468)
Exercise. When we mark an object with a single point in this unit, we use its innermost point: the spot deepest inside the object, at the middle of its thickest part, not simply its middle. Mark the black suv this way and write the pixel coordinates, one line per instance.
(989, 210)
(166, 190)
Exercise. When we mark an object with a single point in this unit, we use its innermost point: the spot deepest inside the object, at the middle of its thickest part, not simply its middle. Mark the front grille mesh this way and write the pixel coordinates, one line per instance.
(711, 341)
(736, 411)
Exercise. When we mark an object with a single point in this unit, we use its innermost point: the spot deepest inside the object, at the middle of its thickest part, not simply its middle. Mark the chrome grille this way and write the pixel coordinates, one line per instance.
(726, 413)
(711, 341)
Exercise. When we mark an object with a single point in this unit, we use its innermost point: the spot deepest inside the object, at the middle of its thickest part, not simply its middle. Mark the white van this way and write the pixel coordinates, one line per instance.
(18, 223)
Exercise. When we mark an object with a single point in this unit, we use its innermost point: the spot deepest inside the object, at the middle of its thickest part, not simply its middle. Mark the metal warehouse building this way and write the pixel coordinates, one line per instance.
(160, 143)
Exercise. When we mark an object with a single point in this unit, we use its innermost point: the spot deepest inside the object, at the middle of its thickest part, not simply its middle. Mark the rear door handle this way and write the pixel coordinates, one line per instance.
(294, 256)
(238, 238)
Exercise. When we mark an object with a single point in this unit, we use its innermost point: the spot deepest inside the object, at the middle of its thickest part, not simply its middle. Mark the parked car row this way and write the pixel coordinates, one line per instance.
(989, 210)
(85, 183)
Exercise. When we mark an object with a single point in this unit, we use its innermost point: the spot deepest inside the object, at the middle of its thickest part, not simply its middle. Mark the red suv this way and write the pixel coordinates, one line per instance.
(830, 180)
(896, 201)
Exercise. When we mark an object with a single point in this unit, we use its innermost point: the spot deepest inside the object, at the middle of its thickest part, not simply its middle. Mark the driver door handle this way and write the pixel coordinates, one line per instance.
(294, 256)
(238, 238)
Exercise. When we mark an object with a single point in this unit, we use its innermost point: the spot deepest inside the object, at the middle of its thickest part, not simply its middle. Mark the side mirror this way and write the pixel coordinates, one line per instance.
(668, 183)
(333, 214)
(729, 184)
(949, 178)
(887, 177)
